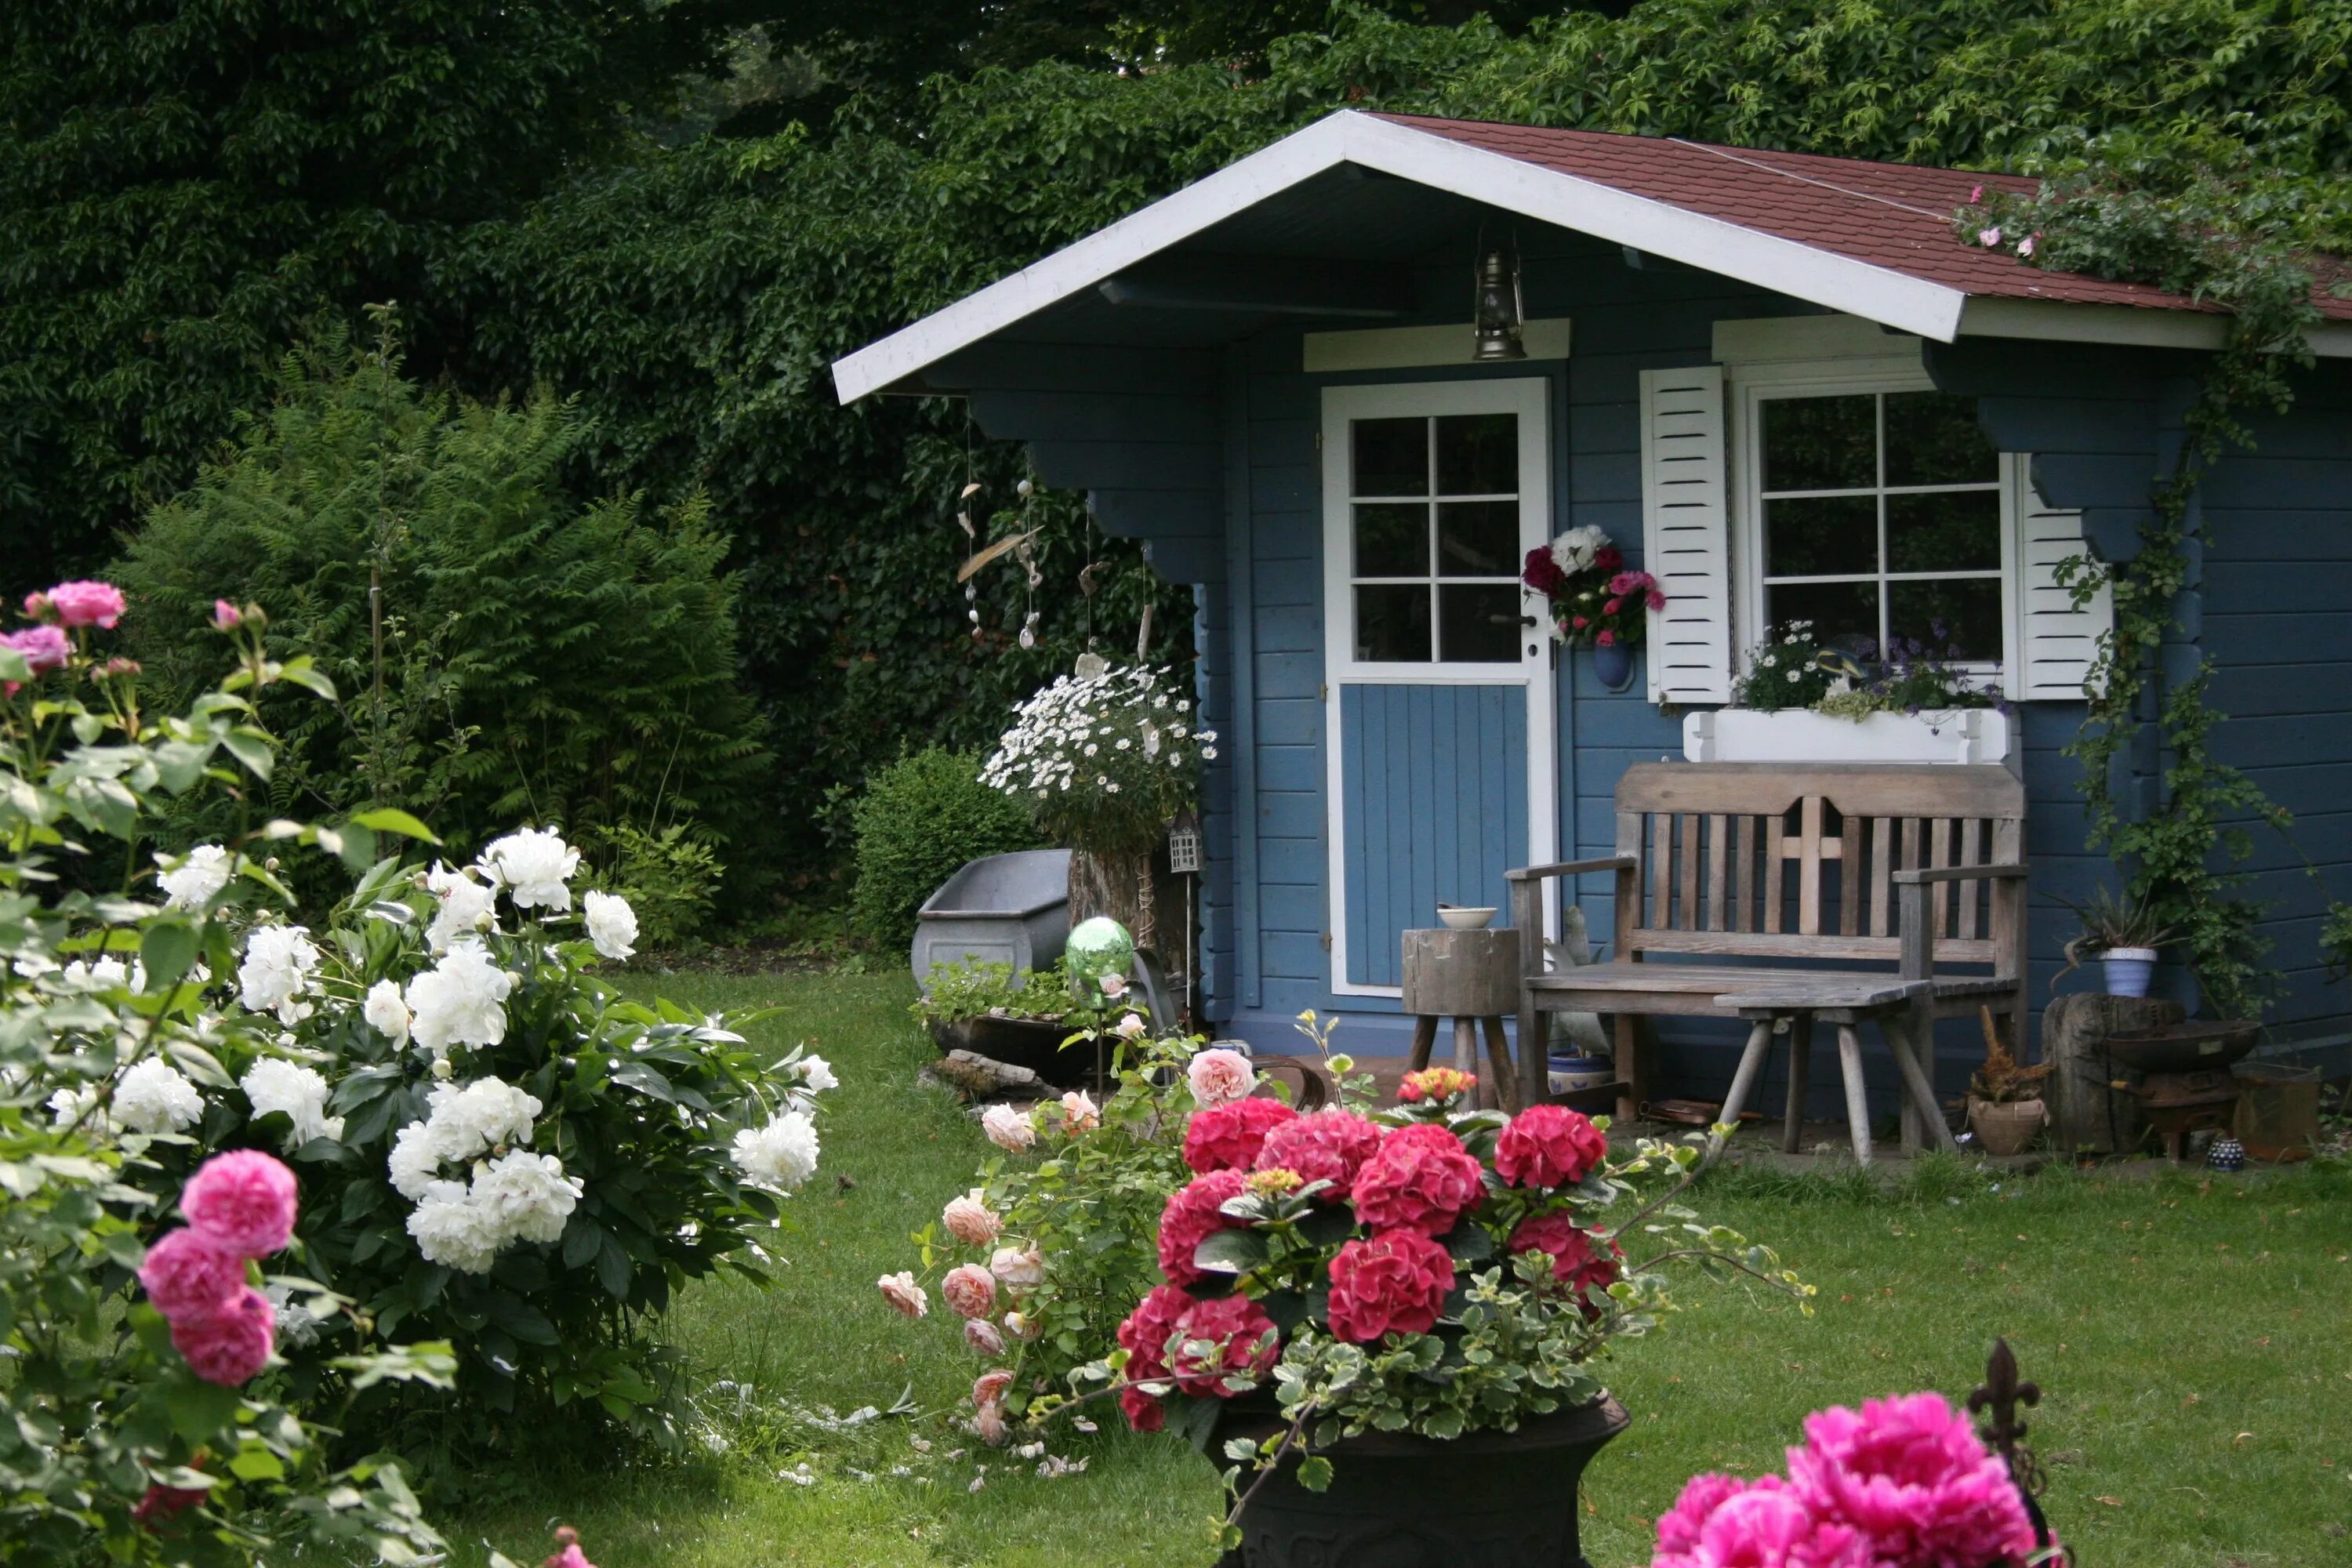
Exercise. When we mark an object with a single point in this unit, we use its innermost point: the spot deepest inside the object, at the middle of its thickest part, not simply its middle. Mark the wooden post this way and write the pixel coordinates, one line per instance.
(1800, 1066)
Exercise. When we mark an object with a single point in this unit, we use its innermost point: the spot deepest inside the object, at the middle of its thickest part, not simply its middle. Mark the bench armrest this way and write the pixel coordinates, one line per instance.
(1956, 874)
(1571, 868)
(1911, 893)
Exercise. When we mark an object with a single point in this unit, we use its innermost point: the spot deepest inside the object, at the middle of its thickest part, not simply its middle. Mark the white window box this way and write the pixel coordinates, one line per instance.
(1800, 735)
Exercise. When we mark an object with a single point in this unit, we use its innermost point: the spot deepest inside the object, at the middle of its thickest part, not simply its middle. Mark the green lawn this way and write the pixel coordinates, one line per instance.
(2192, 1338)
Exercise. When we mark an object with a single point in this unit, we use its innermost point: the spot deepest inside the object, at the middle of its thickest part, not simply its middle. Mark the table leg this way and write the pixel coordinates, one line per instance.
(1424, 1035)
(1759, 1042)
(1857, 1104)
(1632, 1069)
(1910, 1035)
(1507, 1093)
(1465, 1045)
(1801, 1072)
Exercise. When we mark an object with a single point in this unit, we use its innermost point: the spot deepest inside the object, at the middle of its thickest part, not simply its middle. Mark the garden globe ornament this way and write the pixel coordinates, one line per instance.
(1099, 951)
(2227, 1154)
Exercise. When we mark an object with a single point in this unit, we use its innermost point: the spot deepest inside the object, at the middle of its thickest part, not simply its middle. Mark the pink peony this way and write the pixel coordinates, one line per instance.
(1575, 1260)
(1228, 1137)
(1220, 1077)
(1145, 1334)
(185, 1274)
(1548, 1146)
(1397, 1280)
(1679, 1526)
(1422, 1179)
(44, 647)
(226, 617)
(904, 1295)
(983, 1337)
(1766, 1526)
(87, 603)
(1244, 1340)
(229, 1343)
(1330, 1145)
(971, 1222)
(1912, 1476)
(969, 1292)
(241, 1202)
(1191, 1217)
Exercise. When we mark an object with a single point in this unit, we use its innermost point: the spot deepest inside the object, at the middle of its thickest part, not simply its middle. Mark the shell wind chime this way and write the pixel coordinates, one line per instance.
(1022, 549)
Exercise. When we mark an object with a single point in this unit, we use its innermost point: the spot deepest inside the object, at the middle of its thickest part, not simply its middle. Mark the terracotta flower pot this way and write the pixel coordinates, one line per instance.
(2006, 1126)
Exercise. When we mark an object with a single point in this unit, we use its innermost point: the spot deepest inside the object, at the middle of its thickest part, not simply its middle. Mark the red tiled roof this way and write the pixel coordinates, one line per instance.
(1895, 216)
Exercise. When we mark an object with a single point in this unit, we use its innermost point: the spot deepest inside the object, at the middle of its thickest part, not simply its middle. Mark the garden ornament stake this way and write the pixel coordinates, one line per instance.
(2001, 1395)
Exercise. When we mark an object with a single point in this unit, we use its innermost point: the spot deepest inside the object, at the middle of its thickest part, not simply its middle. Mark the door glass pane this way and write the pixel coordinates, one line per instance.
(1393, 541)
(1478, 622)
(1393, 623)
(1958, 531)
(1952, 620)
(1819, 536)
(1933, 439)
(1392, 456)
(1478, 538)
(1844, 615)
(1821, 443)
(1478, 455)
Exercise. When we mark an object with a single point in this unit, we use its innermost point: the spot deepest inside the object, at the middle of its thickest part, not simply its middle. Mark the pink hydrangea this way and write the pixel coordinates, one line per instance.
(1220, 1077)
(970, 1291)
(1911, 1476)
(229, 1343)
(1330, 1145)
(1144, 1412)
(1548, 1146)
(83, 602)
(1243, 1335)
(1191, 1217)
(242, 1202)
(1422, 1179)
(1228, 1137)
(1398, 1281)
(185, 1274)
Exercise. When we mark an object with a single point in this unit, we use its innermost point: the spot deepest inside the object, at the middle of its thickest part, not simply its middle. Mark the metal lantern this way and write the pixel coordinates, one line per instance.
(1497, 312)
(1184, 848)
(1098, 950)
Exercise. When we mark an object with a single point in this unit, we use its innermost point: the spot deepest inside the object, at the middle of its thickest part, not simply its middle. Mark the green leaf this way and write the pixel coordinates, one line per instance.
(199, 1063)
(199, 1409)
(392, 819)
(304, 672)
(252, 747)
(613, 1270)
(1230, 1252)
(1315, 1473)
(255, 1463)
(13, 666)
(168, 949)
(523, 1321)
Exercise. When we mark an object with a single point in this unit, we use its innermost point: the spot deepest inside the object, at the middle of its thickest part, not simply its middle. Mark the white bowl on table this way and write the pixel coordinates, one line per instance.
(1457, 918)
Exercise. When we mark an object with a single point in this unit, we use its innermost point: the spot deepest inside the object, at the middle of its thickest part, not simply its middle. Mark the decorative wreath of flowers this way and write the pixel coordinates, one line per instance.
(1595, 602)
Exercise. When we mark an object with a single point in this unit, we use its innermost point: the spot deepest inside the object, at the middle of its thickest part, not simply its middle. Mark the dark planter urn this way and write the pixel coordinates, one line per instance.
(1030, 1043)
(1490, 1500)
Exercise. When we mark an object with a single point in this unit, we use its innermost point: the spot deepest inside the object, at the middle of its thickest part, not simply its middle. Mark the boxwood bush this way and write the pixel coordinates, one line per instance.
(919, 819)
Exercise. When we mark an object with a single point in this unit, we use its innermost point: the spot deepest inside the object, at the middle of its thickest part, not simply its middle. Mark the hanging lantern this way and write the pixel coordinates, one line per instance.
(1497, 312)
(1184, 848)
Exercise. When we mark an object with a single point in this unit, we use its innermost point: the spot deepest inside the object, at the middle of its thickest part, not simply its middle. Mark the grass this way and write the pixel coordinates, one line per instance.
(2190, 1335)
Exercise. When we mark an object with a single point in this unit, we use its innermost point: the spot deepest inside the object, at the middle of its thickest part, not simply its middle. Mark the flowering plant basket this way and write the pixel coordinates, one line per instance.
(1105, 761)
(1595, 602)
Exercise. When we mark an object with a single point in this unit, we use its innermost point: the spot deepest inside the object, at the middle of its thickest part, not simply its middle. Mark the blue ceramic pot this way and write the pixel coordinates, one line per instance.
(1613, 664)
(2129, 970)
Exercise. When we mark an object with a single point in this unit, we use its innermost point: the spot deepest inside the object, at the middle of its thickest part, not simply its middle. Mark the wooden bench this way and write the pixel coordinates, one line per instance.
(1769, 891)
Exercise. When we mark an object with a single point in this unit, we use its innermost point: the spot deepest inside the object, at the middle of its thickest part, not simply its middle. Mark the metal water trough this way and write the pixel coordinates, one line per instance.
(1000, 909)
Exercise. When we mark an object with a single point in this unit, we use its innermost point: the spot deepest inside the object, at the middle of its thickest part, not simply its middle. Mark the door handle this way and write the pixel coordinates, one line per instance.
(1529, 621)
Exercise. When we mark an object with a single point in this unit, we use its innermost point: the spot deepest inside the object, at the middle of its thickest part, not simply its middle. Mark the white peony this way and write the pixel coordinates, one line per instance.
(415, 1161)
(483, 1115)
(278, 962)
(386, 1014)
(68, 1107)
(274, 1085)
(528, 1195)
(612, 924)
(296, 1325)
(783, 1154)
(460, 1000)
(153, 1097)
(1574, 550)
(466, 907)
(102, 974)
(817, 1075)
(1008, 1129)
(454, 1230)
(534, 866)
(200, 873)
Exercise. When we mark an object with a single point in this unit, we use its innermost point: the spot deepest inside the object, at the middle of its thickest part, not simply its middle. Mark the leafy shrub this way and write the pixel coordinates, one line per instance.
(669, 878)
(955, 992)
(920, 819)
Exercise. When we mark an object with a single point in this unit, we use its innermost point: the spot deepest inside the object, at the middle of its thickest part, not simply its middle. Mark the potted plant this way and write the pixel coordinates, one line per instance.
(2125, 934)
(1595, 602)
(1801, 697)
(1023, 1018)
(1364, 1311)
(2005, 1106)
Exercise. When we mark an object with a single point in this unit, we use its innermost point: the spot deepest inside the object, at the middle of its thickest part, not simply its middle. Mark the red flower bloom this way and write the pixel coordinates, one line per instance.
(1579, 622)
(1607, 637)
(1143, 1412)
(1144, 1335)
(1657, 600)
(164, 1502)
(1397, 1280)
(1542, 573)
(1228, 1137)
(1191, 1217)
(1245, 1338)
(1575, 1260)
(1608, 558)
(1548, 1146)
(1325, 1146)
(1612, 607)
(1422, 1179)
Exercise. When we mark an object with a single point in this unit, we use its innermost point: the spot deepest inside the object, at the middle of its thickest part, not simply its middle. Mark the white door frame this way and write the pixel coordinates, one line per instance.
(1528, 398)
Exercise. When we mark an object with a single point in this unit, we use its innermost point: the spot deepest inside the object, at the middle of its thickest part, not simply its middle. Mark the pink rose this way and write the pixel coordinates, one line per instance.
(44, 647)
(1191, 1217)
(1612, 607)
(1396, 1281)
(241, 1202)
(86, 603)
(1976, 194)
(989, 1387)
(904, 1295)
(1575, 1260)
(185, 1274)
(229, 1343)
(1910, 1475)
(969, 1292)
(1625, 583)
(2025, 246)
(1988, 237)
(1579, 622)
(989, 1424)
(983, 1337)
(226, 617)
(1656, 600)
(1548, 1146)
(971, 1221)
(1220, 1077)
(1607, 637)
(1422, 1179)
(1229, 1337)
(1020, 1268)
(1228, 1137)
(1330, 1145)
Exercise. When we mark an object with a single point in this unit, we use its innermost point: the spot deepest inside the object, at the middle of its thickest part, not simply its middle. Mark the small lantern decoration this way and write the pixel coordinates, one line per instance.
(1497, 312)
(1184, 848)
(1099, 955)
(2226, 1154)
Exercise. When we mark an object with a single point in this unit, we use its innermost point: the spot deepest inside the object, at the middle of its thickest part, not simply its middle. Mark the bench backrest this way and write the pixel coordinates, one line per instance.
(1797, 859)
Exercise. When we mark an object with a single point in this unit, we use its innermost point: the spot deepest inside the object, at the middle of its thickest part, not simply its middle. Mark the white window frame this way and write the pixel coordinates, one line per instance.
(1752, 386)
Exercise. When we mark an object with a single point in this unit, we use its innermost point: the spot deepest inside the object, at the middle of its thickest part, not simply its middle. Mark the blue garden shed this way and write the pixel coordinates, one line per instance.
(1779, 383)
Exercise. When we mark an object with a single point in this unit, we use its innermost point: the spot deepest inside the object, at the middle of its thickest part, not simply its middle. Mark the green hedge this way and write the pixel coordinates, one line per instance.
(920, 819)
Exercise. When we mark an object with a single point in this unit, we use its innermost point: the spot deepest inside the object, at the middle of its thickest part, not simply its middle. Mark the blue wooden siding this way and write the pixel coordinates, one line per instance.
(1434, 791)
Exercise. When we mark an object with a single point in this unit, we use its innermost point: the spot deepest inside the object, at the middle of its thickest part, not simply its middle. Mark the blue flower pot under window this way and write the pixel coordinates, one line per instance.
(1612, 665)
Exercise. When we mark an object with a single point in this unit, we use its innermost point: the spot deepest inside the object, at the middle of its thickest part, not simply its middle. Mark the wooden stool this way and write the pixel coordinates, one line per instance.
(1472, 977)
(1898, 1008)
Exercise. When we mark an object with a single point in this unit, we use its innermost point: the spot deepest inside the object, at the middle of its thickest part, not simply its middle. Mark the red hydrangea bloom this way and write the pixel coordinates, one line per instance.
(1575, 1260)
(1328, 1145)
(1245, 1342)
(1227, 1137)
(229, 1343)
(1143, 1412)
(1144, 1335)
(184, 1273)
(1912, 1479)
(1548, 1146)
(242, 1202)
(1191, 1217)
(1397, 1280)
(1542, 572)
(1422, 1179)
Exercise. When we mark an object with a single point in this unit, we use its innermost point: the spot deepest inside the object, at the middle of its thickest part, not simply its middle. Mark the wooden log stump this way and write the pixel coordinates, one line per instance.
(2087, 1114)
(1472, 977)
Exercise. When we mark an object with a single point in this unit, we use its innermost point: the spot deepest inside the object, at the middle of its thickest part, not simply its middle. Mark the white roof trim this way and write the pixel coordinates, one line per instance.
(2136, 326)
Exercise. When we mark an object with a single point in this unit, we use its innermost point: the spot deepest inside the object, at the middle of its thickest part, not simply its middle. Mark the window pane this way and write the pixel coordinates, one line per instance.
(1932, 438)
(1392, 456)
(1958, 621)
(1816, 536)
(1821, 443)
(1393, 623)
(1479, 454)
(1393, 541)
(1478, 622)
(1844, 615)
(1956, 531)
(1478, 538)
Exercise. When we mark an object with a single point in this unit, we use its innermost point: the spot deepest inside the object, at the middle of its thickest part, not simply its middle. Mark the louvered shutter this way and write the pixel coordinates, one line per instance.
(2057, 640)
(1687, 533)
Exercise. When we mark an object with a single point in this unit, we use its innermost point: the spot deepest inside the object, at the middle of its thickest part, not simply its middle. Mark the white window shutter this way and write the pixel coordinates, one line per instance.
(1687, 533)
(2057, 640)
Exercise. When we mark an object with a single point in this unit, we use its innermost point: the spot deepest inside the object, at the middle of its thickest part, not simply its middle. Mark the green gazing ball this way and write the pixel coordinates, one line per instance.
(1099, 948)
